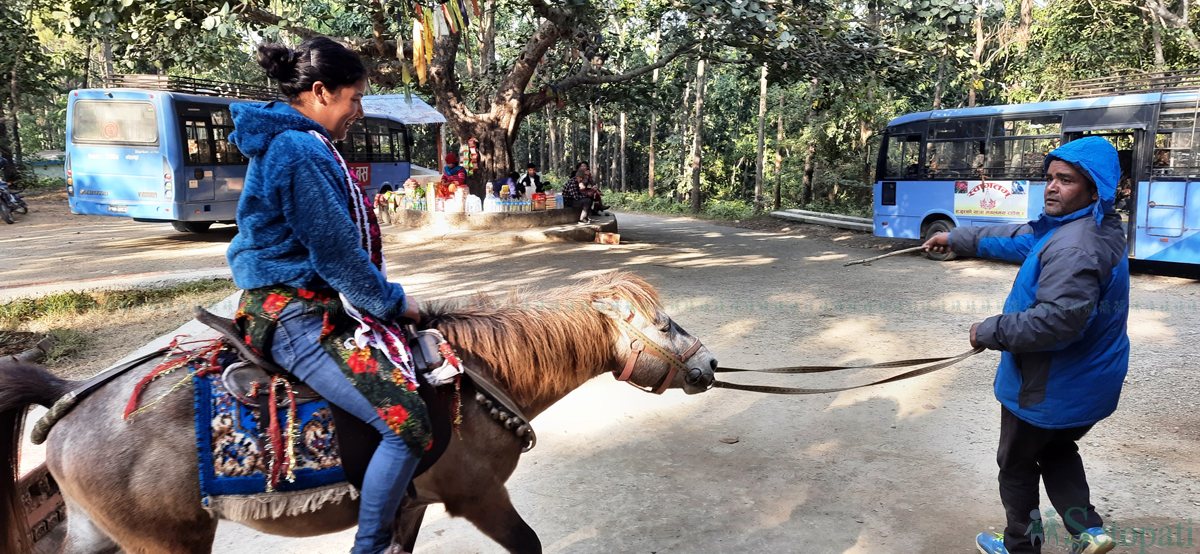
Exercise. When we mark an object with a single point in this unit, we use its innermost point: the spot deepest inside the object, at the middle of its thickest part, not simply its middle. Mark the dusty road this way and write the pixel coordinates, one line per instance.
(903, 468)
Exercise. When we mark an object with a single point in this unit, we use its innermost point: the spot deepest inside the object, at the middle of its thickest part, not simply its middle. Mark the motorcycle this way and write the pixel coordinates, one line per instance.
(10, 203)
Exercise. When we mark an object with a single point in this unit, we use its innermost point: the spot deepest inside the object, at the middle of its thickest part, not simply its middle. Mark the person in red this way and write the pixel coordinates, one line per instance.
(453, 176)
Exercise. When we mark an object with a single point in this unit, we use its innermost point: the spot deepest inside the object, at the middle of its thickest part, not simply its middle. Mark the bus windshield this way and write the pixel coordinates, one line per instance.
(114, 122)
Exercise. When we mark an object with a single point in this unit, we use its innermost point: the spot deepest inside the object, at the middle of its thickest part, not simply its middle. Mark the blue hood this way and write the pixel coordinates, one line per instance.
(256, 125)
(1096, 158)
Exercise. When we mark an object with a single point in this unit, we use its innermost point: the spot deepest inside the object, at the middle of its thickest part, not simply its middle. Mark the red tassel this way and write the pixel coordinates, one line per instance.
(476, 4)
(276, 438)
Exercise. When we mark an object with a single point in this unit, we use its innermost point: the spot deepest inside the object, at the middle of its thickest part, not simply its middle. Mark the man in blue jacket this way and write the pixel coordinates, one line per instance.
(1062, 336)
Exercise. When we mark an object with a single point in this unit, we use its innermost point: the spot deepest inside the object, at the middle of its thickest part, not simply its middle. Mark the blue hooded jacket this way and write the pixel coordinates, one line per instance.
(1063, 330)
(294, 225)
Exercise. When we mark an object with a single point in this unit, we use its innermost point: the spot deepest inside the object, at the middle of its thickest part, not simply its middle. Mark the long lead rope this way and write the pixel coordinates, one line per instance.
(938, 363)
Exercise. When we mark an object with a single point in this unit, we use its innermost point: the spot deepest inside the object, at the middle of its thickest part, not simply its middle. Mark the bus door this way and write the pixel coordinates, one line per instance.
(199, 161)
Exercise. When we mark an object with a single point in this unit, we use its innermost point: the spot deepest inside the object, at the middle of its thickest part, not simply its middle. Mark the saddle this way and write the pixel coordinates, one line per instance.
(249, 380)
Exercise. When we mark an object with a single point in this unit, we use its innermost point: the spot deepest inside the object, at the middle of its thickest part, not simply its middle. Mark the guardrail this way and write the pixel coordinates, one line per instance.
(189, 85)
(1134, 83)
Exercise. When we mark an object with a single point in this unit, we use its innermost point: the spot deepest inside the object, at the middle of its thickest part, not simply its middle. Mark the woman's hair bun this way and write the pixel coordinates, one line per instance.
(318, 59)
(278, 60)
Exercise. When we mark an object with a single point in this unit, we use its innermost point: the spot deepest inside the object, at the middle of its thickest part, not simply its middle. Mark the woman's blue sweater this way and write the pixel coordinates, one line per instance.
(294, 225)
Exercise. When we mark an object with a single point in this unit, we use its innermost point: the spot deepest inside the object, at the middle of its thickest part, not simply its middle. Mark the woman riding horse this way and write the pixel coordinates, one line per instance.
(308, 255)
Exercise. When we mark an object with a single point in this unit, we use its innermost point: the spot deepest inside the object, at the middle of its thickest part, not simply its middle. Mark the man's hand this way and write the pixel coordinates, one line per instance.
(939, 243)
(412, 309)
(974, 343)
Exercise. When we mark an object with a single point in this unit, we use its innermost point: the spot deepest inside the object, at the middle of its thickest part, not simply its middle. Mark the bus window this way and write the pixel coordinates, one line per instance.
(1174, 144)
(199, 151)
(955, 149)
(225, 151)
(399, 149)
(903, 154)
(109, 122)
(1019, 146)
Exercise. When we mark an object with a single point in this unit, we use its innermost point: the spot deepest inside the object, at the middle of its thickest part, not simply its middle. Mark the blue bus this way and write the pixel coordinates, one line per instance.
(983, 166)
(159, 155)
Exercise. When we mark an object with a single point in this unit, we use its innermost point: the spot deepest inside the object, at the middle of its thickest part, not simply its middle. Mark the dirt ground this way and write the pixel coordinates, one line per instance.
(902, 468)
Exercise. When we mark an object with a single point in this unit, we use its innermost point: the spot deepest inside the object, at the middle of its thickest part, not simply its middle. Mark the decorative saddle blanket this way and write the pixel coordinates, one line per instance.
(236, 452)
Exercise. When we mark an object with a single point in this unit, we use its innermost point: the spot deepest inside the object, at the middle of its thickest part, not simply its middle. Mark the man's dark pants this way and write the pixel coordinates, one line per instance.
(1028, 452)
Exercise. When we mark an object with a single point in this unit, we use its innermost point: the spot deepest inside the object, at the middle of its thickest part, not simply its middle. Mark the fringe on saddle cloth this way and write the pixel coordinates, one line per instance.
(391, 388)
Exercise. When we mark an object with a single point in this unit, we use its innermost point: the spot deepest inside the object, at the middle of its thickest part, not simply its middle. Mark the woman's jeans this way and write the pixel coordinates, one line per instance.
(297, 348)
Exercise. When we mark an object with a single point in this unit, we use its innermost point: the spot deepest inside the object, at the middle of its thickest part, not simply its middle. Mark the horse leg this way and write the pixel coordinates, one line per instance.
(408, 524)
(493, 514)
(83, 536)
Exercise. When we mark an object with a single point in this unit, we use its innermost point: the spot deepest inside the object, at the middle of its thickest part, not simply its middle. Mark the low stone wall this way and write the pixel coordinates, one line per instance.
(482, 221)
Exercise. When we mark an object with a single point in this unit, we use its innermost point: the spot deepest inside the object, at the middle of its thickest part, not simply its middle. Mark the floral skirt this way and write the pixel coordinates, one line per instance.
(368, 369)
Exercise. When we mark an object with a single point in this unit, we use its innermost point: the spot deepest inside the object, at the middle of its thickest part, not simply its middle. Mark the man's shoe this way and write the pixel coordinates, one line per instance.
(1092, 541)
(989, 543)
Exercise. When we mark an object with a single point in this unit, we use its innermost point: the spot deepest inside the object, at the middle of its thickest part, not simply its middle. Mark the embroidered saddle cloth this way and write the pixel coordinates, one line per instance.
(236, 454)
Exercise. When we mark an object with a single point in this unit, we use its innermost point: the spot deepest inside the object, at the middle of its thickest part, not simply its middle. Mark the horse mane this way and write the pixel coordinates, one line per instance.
(544, 343)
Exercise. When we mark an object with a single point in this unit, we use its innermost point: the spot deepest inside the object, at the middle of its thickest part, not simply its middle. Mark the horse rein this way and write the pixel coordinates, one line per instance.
(641, 343)
(938, 363)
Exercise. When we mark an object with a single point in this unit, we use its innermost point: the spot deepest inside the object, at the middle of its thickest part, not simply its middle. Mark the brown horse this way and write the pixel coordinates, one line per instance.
(131, 485)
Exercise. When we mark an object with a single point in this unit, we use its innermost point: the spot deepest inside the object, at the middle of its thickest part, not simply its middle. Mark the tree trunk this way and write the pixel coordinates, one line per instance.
(15, 102)
(612, 161)
(1026, 23)
(5, 144)
(624, 186)
(682, 123)
(1159, 60)
(87, 66)
(779, 158)
(487, 45)
(650, 171)
(108, 59)
(762, 118)
(810, 150)
(593, 137)
(698, 142)
(937, 88)
(977, 55)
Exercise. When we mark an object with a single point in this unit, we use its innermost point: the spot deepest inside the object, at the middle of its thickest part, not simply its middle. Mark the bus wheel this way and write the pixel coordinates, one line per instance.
(191, 226)
(939, 226)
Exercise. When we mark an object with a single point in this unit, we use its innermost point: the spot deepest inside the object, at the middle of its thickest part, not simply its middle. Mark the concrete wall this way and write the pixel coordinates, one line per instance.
(483, 221)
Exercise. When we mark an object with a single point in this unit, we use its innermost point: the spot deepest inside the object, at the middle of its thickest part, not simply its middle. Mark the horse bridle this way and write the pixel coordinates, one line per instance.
(639, 343)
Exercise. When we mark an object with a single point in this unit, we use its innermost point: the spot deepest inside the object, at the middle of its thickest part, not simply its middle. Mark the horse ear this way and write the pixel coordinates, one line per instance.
(615, 309)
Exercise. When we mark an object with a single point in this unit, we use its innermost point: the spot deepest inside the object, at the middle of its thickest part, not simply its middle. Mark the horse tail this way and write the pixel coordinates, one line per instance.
(20, 386)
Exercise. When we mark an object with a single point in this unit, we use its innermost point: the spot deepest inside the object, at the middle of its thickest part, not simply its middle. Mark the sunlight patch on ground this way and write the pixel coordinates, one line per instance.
(826, 257)
(578, 535)
(1147, 326)
(733, 332)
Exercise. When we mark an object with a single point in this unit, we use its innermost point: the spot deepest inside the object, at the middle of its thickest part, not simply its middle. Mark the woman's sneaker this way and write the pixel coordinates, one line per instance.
(1092, 541)
(989, 543)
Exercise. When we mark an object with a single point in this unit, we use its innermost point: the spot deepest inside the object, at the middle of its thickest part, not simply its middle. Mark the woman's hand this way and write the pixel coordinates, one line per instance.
(412, 308)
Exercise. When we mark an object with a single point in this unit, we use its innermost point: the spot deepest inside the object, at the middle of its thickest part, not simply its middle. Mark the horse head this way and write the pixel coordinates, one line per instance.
(655, 352)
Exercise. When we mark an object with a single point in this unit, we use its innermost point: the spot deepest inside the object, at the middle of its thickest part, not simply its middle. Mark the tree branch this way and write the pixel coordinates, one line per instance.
(379, 27)
(1164, 13)
(584, 79)
(254, 13)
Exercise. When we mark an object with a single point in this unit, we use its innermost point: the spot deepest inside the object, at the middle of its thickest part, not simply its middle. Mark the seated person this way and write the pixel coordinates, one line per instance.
(515, 189)
(1124, 191)
(574, 198)
(531, 179)
(593, 193)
